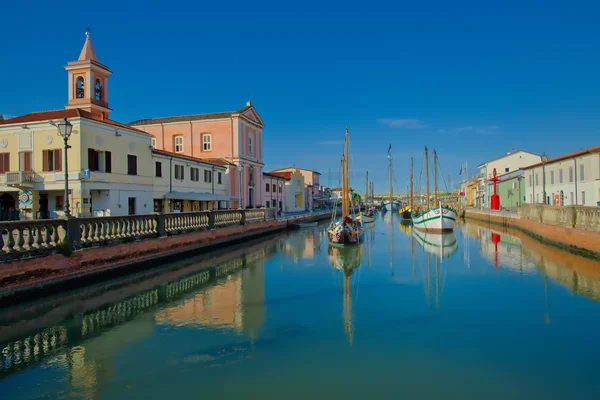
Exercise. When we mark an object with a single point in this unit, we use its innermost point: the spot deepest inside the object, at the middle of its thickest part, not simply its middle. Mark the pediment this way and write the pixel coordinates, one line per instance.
(253, 116)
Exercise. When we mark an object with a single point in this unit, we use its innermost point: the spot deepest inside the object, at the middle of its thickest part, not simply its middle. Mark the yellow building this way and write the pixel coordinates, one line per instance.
(108, 162)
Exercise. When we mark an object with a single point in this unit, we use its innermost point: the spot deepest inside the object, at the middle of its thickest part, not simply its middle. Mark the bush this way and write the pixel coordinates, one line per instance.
(65, 248)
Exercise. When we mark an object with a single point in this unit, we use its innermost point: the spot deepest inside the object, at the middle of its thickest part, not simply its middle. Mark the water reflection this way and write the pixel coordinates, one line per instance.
(440, 244)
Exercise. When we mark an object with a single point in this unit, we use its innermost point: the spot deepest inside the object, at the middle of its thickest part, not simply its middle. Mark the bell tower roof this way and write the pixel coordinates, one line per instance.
(88, 53)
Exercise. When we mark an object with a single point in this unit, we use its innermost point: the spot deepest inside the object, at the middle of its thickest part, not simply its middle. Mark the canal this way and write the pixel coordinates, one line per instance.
(480, 313)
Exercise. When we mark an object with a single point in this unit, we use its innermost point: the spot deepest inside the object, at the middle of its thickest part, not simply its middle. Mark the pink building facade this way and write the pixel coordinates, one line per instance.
(274, 191)
(234, 136)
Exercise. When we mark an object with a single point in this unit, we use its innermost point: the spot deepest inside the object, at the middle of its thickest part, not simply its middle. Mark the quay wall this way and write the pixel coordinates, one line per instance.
(22, 279)
(578, 241)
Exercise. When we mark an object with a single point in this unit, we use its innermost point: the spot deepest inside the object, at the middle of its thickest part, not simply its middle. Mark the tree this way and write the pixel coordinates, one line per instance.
(1, 117)
(327, 192)
(356, 199)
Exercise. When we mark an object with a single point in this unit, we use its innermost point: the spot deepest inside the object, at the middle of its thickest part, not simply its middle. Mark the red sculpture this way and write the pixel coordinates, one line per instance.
(495, 198)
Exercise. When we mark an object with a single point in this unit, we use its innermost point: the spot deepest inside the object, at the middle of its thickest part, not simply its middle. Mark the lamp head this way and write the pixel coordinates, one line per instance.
(544, 157)
(65, 128)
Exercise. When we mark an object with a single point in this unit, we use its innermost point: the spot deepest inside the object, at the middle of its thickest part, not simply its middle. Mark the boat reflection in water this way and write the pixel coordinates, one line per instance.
(345, 260)
(442, 245)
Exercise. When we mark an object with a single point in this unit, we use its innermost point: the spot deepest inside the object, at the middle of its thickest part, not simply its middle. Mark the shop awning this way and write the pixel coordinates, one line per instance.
(198, 196)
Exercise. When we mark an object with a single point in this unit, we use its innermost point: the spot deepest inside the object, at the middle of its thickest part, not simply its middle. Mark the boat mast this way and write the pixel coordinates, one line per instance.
(435, 194)
(367, 193)
(427, 175)
(391, 189)
(411, 184)
(347, 180)
(344, 199)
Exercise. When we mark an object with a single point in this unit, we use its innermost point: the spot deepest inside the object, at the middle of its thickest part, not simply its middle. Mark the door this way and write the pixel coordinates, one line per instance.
(251, 197)
(7, 206)
(44, 206)
(131, 204)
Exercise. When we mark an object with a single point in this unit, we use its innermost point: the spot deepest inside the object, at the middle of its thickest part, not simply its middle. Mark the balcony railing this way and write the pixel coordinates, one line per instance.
(20, 178)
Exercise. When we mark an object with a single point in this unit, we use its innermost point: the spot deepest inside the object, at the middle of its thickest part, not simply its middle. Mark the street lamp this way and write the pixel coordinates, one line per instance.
(544, 160)
(64, 129)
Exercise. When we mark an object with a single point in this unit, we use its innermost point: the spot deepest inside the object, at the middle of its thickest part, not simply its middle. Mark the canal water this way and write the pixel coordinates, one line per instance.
(480, 313)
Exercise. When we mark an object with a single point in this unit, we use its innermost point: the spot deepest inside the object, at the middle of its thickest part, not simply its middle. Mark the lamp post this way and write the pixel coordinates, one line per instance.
(64, 129)
(544, 159)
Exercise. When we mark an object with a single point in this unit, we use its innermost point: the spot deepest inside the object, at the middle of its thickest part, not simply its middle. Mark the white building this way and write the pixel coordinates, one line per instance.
(512, 161)
(571, 179)
(183, 183)
(294, 190)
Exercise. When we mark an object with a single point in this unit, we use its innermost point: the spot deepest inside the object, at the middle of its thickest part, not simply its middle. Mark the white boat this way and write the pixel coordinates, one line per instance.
(389, 205)
(438, 219)
(365, 219)
(442, 245)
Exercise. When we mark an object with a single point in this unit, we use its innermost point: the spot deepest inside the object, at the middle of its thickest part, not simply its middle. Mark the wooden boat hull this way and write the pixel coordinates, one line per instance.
(365, 219)
(438, 219)
(442, 245)
(345, 232)
(391, 206)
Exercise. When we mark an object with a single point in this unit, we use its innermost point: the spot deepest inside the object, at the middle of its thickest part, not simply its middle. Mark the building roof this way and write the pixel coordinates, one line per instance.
(43, 116)
(220, 161)
(193, 117)
(301, 169)
(582, 152)
(285, 175)
(507, 155)
(184, 157)
(88, 53)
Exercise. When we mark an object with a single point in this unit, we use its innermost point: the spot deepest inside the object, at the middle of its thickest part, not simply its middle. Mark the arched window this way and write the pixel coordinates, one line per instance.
(250, 143)
(251, 170)
(79, 88)
(98, 89)
(178, 144)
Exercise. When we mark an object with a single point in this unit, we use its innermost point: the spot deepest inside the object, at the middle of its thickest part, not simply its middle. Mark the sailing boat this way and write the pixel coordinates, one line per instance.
(367, 217)
(408, 209)
(346, 230)
(391, 204)
(439, 218)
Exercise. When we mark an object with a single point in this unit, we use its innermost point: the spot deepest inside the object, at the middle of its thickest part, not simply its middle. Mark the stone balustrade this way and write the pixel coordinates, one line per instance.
(21, 239)
(578, 217)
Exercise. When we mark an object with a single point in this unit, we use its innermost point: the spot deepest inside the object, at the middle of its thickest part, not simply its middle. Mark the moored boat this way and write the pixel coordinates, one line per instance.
(367, 217)
(345, 230)
(391, 204)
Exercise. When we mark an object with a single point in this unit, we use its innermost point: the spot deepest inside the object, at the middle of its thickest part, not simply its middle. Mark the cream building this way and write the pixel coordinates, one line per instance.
(183, 183)
(571, 179)
(314, 192)
(294, 190)
(107, 160)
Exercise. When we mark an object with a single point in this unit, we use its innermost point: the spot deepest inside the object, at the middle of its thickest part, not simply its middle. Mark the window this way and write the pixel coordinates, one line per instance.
(131, 205)
(570, 174)
(298, 184)
(98, 89)
(506, 169)
(52, 160)
(158, 169)
(4, 162)
(572, 199)
(79, 88)
(178, 144)
(60, 203)
(560, 176)
(194, 174)
(153, 142)
(581, 173)
(280, 190)
(537, 198)
(206, 143)
(267, 187)
(530, 179)
(99, 160)
(25, 161)
(220, 180)
(249, 143)
(179, 171)
(536, 180)
(207, 176)
(552, 177)
(268, 204)
(251, 172)
(131, 164)
(583, 198)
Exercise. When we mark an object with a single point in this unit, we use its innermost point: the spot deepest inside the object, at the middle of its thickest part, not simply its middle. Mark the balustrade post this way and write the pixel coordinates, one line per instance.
(74, 232)
(243, 219)
(160, 225)
(211, 220)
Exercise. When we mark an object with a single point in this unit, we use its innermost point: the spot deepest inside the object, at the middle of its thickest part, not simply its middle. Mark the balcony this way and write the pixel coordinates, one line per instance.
(20, 178)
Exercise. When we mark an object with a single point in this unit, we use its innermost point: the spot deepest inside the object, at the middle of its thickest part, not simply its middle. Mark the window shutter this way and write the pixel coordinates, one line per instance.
(28, 161)
(58, 160)
(4, 163)
(22, 161)
(108, 161)
(45, 166)
(91, 159)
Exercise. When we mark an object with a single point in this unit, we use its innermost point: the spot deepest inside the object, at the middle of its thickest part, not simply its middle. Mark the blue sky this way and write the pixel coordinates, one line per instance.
(471, 79)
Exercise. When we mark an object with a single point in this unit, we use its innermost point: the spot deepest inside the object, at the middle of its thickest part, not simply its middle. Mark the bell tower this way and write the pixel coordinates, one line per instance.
(88, 82)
